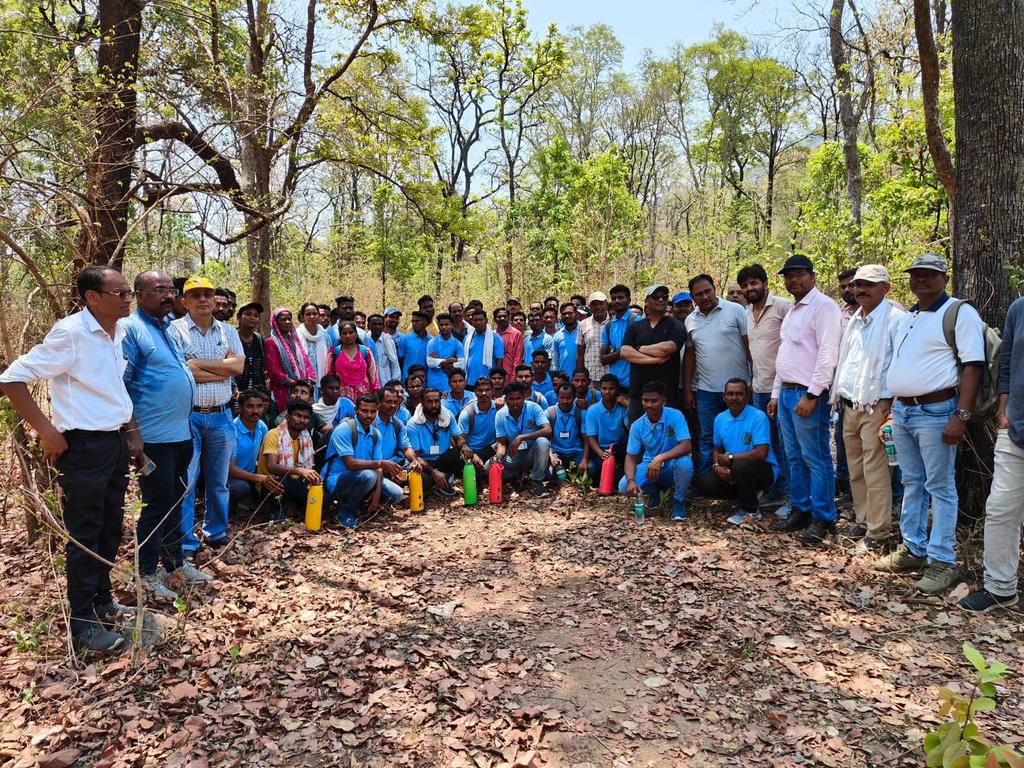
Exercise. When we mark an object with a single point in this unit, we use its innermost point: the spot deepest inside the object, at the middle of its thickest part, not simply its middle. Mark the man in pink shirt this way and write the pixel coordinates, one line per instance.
(511, 338)
(808, 353)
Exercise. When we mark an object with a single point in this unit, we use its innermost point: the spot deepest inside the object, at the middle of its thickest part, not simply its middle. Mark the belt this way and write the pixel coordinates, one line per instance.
(931, 397)
(847, 403)
(86, 434)
(792, 385)
(208, 409)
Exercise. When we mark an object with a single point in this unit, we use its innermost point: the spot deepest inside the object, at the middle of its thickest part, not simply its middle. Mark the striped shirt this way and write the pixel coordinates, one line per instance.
(215, 344)
(590, 339)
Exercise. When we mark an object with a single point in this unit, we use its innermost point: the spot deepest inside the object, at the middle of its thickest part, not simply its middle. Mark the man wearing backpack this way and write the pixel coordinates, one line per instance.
(934, 384)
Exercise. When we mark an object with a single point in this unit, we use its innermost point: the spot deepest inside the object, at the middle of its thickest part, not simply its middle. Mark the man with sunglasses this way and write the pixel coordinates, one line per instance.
(651, 346)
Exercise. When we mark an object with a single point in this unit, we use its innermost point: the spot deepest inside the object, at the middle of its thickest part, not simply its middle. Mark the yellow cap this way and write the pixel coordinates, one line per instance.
(197, 281)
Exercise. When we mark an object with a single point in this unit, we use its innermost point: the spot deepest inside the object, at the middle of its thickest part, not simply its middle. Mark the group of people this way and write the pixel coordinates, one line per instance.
(691, 394)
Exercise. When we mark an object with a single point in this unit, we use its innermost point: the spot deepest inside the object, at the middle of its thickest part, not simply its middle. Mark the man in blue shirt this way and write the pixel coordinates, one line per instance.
(161, 386)
(619, 319)
(743, 463)
(606, 428)
(244, 482)
(395, 445)
(412, 346)
(477, 423)
(523, 435)
(444, 354)
(540, 364)
(564, 341)
(458, 398)
(483, 347)
(524, 375)
(536, 338)
(355, 469)
(437, 438)
(567, 446)
(663, 439)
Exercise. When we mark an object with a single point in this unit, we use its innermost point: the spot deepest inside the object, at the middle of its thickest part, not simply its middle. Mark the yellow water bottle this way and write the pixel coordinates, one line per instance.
(314, 507)
(415, 491)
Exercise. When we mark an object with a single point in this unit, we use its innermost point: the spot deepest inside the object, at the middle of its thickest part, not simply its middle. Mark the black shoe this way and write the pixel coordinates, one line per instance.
(538, 490)
(797, 521)
(111, 611)
(984, 601)
(816, 532)
(216, 543)
(98, 640)
(858, 532)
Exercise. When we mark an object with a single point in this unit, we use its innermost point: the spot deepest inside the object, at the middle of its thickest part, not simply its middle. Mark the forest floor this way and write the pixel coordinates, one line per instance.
(553, 633)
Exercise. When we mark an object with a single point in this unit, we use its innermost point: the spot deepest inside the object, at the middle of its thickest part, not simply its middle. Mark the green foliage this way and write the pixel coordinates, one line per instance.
(959, 743)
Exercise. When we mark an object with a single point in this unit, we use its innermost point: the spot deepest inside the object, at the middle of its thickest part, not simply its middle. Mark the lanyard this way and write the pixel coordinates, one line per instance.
(520, 422)
(564, 421)
(658, 431)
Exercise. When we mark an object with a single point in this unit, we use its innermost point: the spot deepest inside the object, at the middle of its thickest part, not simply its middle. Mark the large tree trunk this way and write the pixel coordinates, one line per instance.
(109, 171)
(849, 118)
(988, 81)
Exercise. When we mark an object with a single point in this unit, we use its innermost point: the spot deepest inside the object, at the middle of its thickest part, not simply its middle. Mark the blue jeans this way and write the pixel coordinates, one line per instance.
(812, 478)
(675, 474)
(928, 466)
(353, 488)
(709, 405)
(781, 485)
(213, 442)
(533, 460)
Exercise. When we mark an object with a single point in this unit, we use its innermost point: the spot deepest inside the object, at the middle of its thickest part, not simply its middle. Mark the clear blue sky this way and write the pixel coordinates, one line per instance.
(658, 24)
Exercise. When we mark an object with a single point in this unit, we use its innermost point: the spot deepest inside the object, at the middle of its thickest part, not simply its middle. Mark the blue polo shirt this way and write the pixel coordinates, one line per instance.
(444, 348)
(430, 441)
(158, 380)
(454, 405)
(482, 434)
(475, 367)
(394, 438)
(652, 439)
(566, 437)
(531, 418)
(368, 447)
(744, 432)
(611, 335)
(412, 350)
(607, 426)
(532, 343)
(247, 444)
(564, 355)
(403, 414)
(544, 387)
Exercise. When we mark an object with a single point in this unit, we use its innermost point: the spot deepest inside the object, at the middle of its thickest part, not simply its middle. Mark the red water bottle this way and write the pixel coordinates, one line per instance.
(494, 483)
(607, 486)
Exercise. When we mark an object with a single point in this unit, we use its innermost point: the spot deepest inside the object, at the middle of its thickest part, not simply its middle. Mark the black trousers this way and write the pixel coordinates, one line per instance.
(449, 463)
(94, 478)
(749, 477)
(159, 527)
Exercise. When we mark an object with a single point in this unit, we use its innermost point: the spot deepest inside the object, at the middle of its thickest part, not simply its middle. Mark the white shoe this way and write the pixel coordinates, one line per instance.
(784, 510)
(742, 517)
(154, 585)
(192, 574)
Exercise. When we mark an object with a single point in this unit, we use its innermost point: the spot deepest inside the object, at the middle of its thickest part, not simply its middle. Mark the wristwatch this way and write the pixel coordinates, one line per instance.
(964, 416)
(729, 456)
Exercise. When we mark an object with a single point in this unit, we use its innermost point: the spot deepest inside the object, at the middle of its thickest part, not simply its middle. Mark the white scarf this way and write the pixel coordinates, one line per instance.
(444, 419)
(868, 385)
(316, 348)
(488, 356)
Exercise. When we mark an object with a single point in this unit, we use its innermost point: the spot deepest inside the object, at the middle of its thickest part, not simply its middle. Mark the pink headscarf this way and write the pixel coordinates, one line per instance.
(294, 359)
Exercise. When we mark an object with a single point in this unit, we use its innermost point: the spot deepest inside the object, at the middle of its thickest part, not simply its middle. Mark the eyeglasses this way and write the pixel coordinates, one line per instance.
(161, 291)
(122, 295)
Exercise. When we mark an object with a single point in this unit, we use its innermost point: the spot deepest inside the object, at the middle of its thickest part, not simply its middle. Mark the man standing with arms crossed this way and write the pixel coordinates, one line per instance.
(651, 346)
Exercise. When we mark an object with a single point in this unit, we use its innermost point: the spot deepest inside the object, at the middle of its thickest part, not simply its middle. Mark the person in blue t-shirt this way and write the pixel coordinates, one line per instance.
(585, 395)
(437, 438)
(244, 483)
(564, 340)
(458, 398)
(445, 354)
(605, 428)
(743, 463)
(558, 378)
(658, 451)
(524, 375)
(568, 449)
(394, 436)
(536, 338)
(477, 423)
(355, 469)
(412, 346)
(540, 362)
(619, 319)
(523, 435)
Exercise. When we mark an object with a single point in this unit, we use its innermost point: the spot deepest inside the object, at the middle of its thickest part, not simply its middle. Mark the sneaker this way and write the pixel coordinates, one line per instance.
(193, 575)
(216, 543)
(797, 520)
(858, 532)
(784, 511)
(538, 490)
(742, 516)
(347, 520)
(938, 578)
(817, 532)
(678, 512)
(450, 490)
(113, 610)
(984, 601)
(900, 560)
(98, 640)
(154, 585)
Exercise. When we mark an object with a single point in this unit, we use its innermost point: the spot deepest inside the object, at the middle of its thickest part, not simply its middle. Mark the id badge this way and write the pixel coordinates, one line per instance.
(563, 435)
(435, 450)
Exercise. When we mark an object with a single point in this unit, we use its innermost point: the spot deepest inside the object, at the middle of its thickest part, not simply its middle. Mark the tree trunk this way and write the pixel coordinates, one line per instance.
(109, 171)
(988, 81)
(849, 118)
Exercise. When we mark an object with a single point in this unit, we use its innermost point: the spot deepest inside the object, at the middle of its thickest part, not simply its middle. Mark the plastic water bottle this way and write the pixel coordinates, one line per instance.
(639, 510)
(469, 484)
(415, 492)
(314, 507)
(890, 446)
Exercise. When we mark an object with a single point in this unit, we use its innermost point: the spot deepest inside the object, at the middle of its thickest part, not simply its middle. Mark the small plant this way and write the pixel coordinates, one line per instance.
(27, 641)
(180, 604)
(959, 743)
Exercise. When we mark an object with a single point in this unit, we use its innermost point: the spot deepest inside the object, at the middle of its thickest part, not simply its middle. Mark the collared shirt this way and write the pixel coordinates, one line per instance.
(368, 447)
(478, 426)
(846, 312)
(566, 431)
(159, 382)
(84, 367)
(215, 344)
(531, 343)
(742, 433)
(589, 338)
(444, 348)
(611, 334)
(608, 426)
(430, 440)
(1011, 370)
(717, 341)
(460, 334)
(763, 336)
(809, 347)
(455, 405)
(412, 350)
(922, 361)
(543, 387)
(530, 419)
(475, 367)
(247, 444)
(653, 438)
(512, 340)
(862, 332)
(640, 334)
(394, 438)
(385, 354)
(564, 344)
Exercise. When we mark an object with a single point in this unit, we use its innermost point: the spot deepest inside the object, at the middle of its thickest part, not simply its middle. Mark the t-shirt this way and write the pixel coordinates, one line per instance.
(368, 447)
(564, 344)
(271, 446)
(444, 348)
(612, 334)
(247, 444)
(455, 405)
(607, 426)
(394, 438)
(532, 343)
(431, 440)
(412, 350)
(475, 367)
(566, 438)
(640, 334)
(717, 340)
(744, 433)
(651, 439)
(531, 418)
(482, 434)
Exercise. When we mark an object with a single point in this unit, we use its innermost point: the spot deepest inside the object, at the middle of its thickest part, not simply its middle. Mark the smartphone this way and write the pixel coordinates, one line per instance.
(147, 466)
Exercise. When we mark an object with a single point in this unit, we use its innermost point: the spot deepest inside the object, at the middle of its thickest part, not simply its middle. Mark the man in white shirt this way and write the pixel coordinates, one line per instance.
(89, 441)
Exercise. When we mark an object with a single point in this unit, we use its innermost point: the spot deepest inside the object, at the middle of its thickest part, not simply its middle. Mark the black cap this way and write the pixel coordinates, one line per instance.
(797, 261)
(251, 305)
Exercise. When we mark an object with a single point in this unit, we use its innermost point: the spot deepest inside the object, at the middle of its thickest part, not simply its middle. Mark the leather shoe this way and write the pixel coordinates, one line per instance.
(797, 521)
(816, 532)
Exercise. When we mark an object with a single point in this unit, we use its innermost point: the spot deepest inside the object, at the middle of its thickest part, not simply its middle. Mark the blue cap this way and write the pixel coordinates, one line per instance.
(682, 296)
(392, 311)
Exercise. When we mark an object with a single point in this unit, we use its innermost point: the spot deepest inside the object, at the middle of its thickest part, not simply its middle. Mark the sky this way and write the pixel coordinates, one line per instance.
(659, 24)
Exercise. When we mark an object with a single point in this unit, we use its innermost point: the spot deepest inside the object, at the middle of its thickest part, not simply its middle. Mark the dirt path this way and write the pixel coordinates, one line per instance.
(554, 633)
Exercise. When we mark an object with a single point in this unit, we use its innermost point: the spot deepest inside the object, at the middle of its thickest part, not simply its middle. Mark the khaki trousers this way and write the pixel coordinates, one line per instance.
(870, 482)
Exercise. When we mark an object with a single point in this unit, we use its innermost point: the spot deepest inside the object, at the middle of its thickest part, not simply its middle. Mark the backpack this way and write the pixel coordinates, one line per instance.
(988, 389)
(351, 424)
(362, 348)
(576, 411)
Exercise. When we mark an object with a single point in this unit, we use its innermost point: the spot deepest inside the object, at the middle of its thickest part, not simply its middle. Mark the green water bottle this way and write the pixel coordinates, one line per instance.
(469, 484)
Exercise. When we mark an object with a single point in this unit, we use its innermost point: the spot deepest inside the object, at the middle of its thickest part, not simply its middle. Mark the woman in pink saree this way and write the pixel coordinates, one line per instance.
(354, 364)
(287, 361)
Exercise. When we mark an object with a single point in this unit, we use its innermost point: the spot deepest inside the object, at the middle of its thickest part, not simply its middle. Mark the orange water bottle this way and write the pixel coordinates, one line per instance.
(494, 483)
(415, 491)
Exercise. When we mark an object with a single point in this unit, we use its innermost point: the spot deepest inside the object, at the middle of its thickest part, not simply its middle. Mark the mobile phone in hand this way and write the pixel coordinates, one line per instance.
(148, 465)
